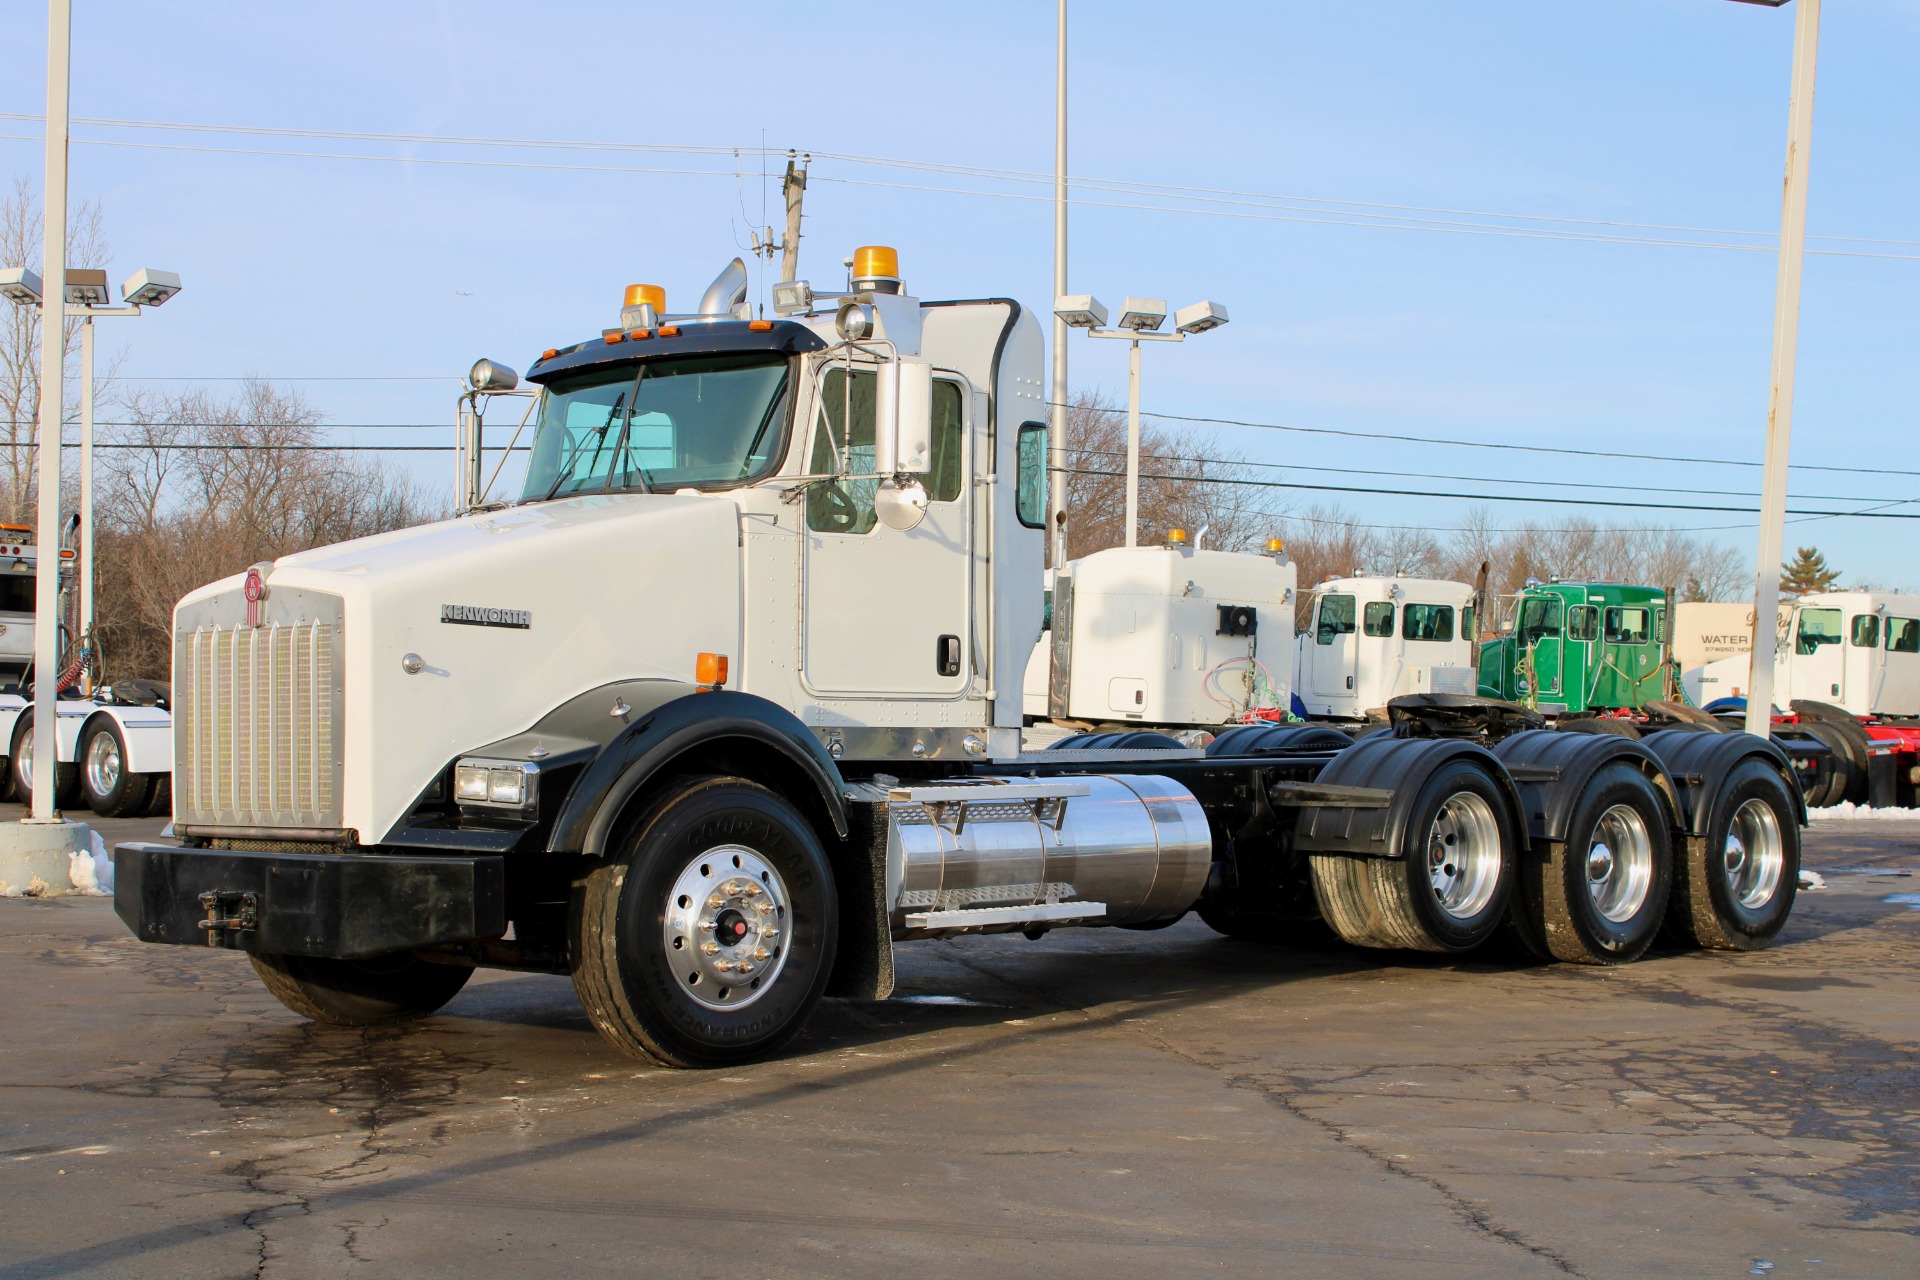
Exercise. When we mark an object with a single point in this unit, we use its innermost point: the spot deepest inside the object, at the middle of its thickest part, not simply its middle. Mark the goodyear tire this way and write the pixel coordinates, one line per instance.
(1734, 888)
(707, 937)
(110, 788)
(66, 777)
(1449, 888)
(1600, 895)
(360, 993)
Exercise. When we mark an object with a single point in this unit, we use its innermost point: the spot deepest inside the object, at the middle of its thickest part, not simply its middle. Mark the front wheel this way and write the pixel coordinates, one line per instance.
(1738, 885)
(707, 937)
(111, 789)
(360, 993)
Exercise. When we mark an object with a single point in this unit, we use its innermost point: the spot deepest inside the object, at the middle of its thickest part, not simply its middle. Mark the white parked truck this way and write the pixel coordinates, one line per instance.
(1372, 639)
(114, 745)
(1170, 636)
(728, 705)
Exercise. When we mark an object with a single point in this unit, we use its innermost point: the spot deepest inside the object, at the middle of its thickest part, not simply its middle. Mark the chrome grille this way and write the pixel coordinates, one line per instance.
(257, 720)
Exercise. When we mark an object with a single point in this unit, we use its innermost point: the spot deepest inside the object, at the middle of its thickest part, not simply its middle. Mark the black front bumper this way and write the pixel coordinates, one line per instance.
(345, 905)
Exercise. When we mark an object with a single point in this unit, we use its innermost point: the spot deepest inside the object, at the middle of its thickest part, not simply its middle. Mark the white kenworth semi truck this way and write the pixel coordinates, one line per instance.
(726, 706)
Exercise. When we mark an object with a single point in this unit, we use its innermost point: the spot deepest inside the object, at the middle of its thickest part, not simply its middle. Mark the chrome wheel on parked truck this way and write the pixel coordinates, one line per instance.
(1448, 887)
(1598, 896)
(1737, 884)
(112, 790)
(707, 934)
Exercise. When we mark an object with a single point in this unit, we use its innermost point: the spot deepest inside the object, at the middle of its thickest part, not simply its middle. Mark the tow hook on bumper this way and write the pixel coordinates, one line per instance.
(243, 916)
(345, 905)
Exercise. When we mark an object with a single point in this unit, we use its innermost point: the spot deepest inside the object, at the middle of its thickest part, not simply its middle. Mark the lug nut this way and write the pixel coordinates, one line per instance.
(725, 966)
(768, 935)
(743, 967)
(731, 888)
(707, 926)
(716, 902)
(761, 953)
(709, 948)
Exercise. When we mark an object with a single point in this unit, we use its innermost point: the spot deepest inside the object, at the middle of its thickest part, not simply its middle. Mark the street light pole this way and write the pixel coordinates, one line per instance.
(84, 631)
(53, 330)
(1133, 443)
(1057, 413)
(1786, 333)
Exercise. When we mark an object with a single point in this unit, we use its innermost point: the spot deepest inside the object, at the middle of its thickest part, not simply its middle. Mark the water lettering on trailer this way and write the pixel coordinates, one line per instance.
(473, 615)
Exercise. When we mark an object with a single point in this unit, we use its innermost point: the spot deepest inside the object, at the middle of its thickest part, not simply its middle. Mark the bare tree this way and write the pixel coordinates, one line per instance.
(1190, 483)
(20, 245)
(209, 486)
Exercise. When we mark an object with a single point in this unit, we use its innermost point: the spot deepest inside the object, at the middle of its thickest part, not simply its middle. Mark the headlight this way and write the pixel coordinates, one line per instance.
(489, 785)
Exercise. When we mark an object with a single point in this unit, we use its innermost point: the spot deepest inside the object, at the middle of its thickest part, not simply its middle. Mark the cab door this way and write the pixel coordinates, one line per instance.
(884, 611)
(1819, 670)
(1540, 636)
(1334, 649)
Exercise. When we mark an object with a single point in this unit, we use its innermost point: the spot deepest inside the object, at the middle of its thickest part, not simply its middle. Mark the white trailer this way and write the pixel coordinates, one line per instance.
(1371, 639)
(728, 705)
(1171, 636)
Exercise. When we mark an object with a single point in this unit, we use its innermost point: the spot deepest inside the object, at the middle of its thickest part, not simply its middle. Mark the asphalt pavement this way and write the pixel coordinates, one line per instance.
(1097, 1102)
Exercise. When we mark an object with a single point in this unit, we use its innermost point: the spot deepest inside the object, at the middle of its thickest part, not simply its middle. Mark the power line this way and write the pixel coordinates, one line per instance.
(1516, 448)
(1558, 502)
(1432, 475)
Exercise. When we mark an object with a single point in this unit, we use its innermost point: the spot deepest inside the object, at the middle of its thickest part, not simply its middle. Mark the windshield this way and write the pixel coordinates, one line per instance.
(693, 420)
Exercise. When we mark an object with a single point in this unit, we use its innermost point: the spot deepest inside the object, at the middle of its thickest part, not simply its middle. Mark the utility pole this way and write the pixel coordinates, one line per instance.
(1786, 334)
(53, 342)
(1057, 414)
(795, 189)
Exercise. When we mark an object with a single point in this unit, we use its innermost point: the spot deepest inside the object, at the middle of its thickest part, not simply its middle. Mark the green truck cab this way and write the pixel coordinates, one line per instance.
(1578, 647)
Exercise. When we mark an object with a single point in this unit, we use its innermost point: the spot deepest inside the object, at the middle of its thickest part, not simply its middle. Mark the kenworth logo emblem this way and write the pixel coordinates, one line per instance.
(473, 615)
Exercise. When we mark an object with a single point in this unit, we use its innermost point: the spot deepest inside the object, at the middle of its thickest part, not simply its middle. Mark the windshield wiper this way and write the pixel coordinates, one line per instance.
(599, 435)
(620, 442)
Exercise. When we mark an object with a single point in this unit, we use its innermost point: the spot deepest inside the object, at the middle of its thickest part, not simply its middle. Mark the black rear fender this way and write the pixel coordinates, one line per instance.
(1403, 766)
(1698, 764)
(1553, 769)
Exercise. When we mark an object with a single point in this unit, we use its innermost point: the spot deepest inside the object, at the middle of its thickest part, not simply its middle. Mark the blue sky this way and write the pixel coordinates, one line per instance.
(1667, 112)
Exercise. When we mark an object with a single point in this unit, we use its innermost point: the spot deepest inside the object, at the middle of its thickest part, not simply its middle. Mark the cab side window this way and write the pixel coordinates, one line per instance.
(1335, 619)
(1583, 622)
(1866, 631)
(1629, 625)
(1378, 619)
(843, 433)
(1903, 635)
(1427, 622)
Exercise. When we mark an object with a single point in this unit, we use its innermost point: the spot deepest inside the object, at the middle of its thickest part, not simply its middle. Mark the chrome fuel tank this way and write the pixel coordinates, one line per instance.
(983, 855)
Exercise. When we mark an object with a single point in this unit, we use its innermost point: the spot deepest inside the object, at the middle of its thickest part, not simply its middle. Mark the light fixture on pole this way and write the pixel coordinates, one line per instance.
(1786, 336)
(1140, 321)
(87, 299)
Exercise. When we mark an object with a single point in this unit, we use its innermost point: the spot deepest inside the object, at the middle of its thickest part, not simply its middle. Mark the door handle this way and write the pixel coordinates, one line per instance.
(1349, 682)
(946, 656)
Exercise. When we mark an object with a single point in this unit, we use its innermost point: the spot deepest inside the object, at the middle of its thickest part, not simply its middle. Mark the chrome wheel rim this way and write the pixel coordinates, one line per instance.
(725, 929)
(1755, 854)
(23, 761)
(103, 764)
(1619, 864)
(1463, 855)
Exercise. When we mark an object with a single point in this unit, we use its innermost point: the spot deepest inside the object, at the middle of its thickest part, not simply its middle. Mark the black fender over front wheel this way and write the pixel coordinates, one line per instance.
(707, 935)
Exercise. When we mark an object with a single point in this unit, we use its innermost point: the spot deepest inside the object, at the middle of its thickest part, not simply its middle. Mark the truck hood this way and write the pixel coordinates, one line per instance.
(506, 614)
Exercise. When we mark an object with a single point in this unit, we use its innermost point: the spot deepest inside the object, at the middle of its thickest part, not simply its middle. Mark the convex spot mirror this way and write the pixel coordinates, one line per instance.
(900, 506)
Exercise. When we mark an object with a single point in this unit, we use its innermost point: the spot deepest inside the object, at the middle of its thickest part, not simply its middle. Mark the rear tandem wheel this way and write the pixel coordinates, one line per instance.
(1599, 895)
(1448, 890)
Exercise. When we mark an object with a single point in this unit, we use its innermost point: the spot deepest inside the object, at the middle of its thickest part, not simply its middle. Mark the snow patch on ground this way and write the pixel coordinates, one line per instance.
(1847, 812)
(91, 869)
